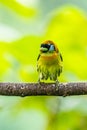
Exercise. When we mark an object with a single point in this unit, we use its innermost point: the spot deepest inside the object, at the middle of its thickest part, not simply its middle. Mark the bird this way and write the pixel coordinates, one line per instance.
(49, 62)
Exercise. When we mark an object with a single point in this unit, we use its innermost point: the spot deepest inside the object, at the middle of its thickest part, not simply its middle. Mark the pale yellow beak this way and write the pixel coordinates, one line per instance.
(43, 49)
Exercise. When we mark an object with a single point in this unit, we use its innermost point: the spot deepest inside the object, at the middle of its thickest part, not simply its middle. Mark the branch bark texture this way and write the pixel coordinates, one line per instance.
(49, 89)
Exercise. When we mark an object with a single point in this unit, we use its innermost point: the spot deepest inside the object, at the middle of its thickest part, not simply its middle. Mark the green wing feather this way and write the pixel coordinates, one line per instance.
(61, 57)
(38, 57)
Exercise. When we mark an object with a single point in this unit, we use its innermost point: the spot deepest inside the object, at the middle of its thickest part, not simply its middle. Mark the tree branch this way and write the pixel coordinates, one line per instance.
(50, 89)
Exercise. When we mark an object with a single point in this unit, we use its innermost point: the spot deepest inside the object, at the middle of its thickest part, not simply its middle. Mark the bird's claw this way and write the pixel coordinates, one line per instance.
(39, 83)
(57, 85)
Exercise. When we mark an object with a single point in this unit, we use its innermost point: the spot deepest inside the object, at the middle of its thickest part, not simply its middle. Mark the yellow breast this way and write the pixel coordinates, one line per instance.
(49, 59)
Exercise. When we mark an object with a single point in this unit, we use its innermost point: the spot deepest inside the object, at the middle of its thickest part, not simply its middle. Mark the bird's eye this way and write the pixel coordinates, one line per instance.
(42, 45)
(45, 46)
(48, 44)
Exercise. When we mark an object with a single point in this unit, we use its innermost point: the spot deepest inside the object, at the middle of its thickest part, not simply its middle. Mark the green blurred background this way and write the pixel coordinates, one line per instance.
(24, 24)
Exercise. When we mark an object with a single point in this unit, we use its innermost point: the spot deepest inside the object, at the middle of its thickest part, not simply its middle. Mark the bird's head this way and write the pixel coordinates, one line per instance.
(48, 47)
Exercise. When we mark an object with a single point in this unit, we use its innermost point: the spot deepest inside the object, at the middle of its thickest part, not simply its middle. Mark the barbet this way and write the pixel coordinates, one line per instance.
(49, 61)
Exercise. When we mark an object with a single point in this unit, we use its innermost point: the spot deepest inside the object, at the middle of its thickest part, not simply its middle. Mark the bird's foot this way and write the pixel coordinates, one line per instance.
(57, 85)
(39, 83)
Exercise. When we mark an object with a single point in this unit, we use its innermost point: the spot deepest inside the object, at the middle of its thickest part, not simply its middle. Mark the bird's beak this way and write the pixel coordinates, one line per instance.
(43, 49)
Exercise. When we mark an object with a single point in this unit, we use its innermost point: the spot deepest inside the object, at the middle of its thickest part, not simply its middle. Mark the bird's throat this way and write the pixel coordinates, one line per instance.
(49, 56)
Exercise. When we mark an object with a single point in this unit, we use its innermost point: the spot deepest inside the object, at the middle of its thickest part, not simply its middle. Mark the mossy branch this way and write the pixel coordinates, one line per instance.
(47, 89)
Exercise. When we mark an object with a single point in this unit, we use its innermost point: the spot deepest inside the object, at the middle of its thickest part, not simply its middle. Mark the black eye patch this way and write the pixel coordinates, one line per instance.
(45, 46)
